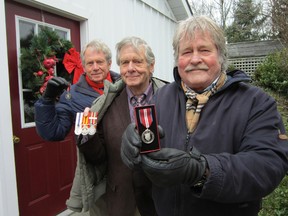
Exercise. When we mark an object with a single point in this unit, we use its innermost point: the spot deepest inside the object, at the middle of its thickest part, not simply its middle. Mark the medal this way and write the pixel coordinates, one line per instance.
(146, 120)
(78, 123)
(93, 123)
(68, 94)
(147, 136)
(85, 124)
(85, 128)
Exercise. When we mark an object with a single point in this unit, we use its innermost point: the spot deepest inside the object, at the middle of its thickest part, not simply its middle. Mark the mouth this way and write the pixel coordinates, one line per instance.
(96, 74)
(195, 69)
(131, 77)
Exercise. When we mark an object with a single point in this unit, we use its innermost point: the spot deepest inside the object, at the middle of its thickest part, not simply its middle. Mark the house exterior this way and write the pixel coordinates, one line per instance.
(248, 55)
(23, 155)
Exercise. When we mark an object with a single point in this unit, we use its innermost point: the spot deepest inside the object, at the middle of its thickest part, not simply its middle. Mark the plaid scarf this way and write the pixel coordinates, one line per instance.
(195, 102)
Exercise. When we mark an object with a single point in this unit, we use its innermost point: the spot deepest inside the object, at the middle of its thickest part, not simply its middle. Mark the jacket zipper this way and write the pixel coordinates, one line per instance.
(187, 141)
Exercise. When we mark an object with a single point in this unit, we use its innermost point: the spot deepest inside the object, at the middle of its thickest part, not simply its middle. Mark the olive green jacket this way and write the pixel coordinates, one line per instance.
(89, 182)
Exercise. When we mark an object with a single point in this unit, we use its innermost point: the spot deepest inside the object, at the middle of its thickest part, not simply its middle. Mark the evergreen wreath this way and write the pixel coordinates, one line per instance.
(44, 54)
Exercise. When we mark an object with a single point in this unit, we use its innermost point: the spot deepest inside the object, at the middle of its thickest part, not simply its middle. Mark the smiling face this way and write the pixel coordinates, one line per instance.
(96, 65)
(134, 69)
(198, 61)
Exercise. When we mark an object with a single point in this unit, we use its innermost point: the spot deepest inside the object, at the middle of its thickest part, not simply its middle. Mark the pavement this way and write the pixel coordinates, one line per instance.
(71, 213)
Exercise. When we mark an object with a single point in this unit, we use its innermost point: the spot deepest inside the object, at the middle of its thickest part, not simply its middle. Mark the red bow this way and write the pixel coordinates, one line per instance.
(72, 62)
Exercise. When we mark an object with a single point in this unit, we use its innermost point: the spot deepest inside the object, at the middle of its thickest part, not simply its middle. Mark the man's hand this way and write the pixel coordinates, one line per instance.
(130, 147)
(55, 87)
(169, 167)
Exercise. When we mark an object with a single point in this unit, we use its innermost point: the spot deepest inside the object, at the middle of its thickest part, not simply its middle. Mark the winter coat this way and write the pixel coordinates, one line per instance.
(117, 187)
(238, 135)
(54, 121)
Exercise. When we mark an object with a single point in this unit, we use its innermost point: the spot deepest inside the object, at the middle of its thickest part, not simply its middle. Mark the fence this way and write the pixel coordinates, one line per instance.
(248, 65)
(248, 55)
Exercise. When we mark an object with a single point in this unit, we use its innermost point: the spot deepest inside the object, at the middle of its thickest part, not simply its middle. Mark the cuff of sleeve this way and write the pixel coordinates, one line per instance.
(213, 185)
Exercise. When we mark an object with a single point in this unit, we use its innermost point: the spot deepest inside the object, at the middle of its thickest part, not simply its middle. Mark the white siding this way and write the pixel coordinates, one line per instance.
(112, 20)
(118, 19)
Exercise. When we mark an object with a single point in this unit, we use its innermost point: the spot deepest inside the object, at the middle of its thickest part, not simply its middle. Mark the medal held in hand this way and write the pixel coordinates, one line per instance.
(85, 124)
(147, 127)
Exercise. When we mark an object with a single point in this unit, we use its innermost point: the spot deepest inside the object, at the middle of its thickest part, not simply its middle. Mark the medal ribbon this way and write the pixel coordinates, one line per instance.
(146, 117)
(78, 118)
(93, 118)
(85, 120)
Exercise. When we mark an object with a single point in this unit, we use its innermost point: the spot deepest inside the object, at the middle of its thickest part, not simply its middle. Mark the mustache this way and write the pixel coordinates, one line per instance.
(191, 68)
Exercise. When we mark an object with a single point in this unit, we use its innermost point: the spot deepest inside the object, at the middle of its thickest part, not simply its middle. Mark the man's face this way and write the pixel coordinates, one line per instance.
(96, 66)
(134, 69)
(198, 61)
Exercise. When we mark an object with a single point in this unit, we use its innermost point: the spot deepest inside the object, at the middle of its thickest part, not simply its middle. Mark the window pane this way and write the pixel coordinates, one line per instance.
(61, 34)
(26, 33)
(27, 30)
(41, 27)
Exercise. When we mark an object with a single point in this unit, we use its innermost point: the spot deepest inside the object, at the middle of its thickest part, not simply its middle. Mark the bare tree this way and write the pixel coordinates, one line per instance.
(225, 10)
(279, 18)
(218, 10)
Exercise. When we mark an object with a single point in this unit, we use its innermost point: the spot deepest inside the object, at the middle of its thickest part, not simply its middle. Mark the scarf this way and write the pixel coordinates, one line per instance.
(195, 102)
(98, 87)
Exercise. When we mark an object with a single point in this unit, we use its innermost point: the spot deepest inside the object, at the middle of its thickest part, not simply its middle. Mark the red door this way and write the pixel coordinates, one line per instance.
(44, 170)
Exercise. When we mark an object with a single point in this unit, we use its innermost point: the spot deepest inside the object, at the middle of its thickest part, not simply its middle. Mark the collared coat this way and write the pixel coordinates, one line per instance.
(102, 171)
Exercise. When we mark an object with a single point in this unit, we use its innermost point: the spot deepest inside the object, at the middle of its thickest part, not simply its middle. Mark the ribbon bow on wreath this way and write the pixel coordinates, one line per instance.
(72, 61)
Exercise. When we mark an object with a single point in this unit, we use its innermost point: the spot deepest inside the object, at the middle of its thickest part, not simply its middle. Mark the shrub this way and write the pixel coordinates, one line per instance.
(276, 204)
(273, 72)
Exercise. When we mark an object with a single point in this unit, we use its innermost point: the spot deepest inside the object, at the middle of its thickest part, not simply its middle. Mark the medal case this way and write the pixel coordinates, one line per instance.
(146, 121)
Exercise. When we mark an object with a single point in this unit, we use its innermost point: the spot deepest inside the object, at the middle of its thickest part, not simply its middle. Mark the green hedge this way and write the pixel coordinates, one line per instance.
(273, 72)
(276, 204)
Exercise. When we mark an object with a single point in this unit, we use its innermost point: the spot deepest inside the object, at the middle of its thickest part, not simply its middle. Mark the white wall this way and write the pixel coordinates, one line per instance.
(112, 20)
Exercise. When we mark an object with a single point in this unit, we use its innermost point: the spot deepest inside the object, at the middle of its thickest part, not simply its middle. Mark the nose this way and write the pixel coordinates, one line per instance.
(195, 59)
(96, 66)
(131, 66)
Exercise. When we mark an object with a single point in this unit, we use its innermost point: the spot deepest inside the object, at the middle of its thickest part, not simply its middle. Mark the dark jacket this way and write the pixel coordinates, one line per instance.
(54, 121)
(238, 135)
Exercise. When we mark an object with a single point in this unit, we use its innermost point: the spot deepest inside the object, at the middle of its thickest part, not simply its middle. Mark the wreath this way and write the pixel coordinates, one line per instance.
(47, 55)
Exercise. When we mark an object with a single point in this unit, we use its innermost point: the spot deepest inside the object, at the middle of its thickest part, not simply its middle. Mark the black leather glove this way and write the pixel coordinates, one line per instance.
(131, 145)
(55, 87)
(169, 167)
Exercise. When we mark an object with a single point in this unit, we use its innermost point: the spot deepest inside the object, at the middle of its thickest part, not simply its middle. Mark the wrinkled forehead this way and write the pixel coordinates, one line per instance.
(193, 33)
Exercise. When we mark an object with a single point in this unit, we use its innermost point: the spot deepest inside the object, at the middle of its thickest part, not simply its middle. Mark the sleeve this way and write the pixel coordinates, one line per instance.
(259, 164)
(93, 147)
(53, 120)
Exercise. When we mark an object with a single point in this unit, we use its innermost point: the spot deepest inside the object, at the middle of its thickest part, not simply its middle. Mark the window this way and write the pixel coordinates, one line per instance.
(25, 30)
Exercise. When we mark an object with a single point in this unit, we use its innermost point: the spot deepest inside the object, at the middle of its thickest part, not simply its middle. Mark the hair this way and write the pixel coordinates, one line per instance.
(97, 45)
(137, 43)
(186, 30)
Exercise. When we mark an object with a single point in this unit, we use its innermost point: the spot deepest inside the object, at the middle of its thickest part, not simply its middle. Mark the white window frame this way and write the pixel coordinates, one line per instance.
(21, 91)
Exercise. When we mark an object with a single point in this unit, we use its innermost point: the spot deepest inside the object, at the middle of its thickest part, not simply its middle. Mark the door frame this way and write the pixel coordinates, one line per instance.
(8, 185)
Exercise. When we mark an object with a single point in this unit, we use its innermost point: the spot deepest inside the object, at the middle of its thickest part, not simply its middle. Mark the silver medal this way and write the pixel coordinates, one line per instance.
(147, 136)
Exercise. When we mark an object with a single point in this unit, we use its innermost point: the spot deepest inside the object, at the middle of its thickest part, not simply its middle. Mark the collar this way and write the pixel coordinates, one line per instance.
(148, 93)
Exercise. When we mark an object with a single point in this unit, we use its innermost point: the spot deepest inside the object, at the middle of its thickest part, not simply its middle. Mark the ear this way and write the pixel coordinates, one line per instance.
(110, 63)
(151, 67)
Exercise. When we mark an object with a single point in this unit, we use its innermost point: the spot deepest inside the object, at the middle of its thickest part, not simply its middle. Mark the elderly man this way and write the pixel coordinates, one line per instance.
(222, 151)
(128, 193)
